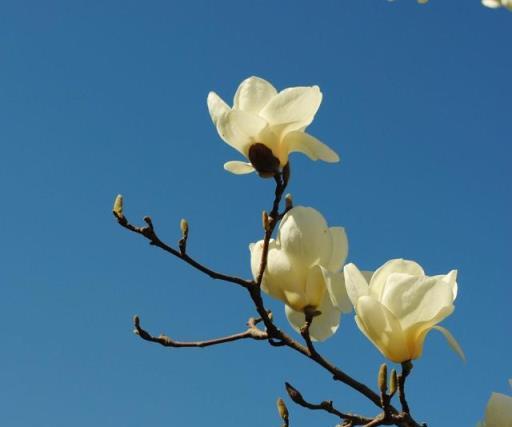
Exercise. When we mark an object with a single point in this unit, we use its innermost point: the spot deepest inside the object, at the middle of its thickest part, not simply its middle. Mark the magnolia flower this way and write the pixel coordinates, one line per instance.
(493, 4)
(400, 306)
(499, 411)
(266, 126)
(303, 270)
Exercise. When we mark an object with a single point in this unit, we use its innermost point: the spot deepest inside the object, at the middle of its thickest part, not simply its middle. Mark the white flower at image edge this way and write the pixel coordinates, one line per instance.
(494, 4)
(266, 126)
(303, 270)
(400, 305)
(499, 411)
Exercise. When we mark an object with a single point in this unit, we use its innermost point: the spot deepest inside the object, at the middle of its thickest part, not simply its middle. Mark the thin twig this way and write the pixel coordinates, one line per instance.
(326, 406)
(253, 332)
(149, 233)
(406, 370)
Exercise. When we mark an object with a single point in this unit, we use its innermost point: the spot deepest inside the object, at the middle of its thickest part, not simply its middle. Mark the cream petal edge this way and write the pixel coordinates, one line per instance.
(452, 342)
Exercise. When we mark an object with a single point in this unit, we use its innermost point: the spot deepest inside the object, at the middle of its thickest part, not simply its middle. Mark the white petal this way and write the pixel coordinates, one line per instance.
(294, 106)
(315, 287)
(303, 233)
(238, 168)
(323, 326)
(253, 94)
(415, 299)
(217, 107)
(335, 284)
(302, 142)
(355, 282)
(240, 129)
(452, 342)
(339, 248)
(382, 328)
(499, 411)
(491, 3)
(393, 266)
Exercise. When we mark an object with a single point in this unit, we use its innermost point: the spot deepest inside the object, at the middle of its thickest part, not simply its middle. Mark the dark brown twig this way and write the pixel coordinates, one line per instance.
(252, 332)
(326, 406)
(406, 370)
(149, 233)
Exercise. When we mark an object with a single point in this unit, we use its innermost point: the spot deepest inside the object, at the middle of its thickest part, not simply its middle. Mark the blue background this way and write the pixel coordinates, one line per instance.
(100, 98)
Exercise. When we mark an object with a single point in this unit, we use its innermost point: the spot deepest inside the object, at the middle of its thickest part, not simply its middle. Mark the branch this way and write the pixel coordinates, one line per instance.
(406, 370)
(149, 233)
(326, 405)
(253, 332)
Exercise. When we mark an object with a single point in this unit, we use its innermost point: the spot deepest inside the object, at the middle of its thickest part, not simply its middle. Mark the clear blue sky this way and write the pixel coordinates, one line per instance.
(100, 98)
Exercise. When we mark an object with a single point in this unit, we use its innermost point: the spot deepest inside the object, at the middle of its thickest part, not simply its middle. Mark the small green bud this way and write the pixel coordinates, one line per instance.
(283, 410)
(393, 383)
(184, 228)
(383, 378)
(118, 206)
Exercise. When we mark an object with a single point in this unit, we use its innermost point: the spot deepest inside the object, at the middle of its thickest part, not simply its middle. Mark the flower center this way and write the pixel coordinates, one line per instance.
(263, 160)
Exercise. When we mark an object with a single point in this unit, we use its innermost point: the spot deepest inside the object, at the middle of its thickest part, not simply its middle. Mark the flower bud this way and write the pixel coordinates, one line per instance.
(294, 394)
(118, 206)
(288, 202)
(184, 228)
(265, 221)
(383, 378)
(283, 410)
(393, 383)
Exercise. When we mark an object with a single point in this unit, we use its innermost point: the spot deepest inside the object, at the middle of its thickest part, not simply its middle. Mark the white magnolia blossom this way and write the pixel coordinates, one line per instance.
(499, 411)
(265, 126)
(400, 306)
(304, 270)
(494, 4)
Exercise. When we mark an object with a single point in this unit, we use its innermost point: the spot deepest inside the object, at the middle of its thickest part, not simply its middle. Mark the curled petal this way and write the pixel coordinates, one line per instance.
(253, 94)
(339, 248)
(452, 342)
(302, 142)
(238, 168)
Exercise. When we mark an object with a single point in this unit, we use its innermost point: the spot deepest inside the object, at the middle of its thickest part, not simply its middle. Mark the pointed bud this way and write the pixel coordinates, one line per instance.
(383, 378)
(283, 410)
(288, 201)
(265, 221)
(294, 394)
(118, 206)
(393, 383)
(184, 228)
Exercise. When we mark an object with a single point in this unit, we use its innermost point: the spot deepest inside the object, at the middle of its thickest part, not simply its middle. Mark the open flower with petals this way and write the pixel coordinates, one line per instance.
(400, 305)
(499, 411)
(303, 270)
(266, 126)
(494, 4)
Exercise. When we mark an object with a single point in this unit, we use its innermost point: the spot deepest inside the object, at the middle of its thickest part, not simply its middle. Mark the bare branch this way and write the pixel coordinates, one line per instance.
(149, 233)
(253, 332)
(326, 405)
(406, 370)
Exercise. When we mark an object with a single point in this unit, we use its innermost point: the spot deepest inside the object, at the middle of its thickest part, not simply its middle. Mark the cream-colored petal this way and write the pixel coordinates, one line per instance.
(415, 335)
(335, 284)
(393, 266)
(382, 329)
(323, 326)
(355, 283)
(217, 107)
(499, 411)
(304, 235)
(301, 142)
(294, 106)
(493, 4)
(238, 168)
(283, 279)
(240, 129)
(339, 249)
(452, 342)
(414, 299)
(253, 94)
(315, 287)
